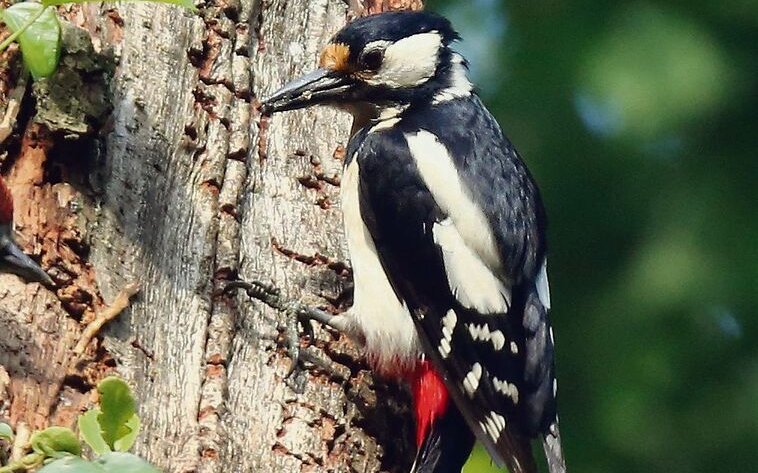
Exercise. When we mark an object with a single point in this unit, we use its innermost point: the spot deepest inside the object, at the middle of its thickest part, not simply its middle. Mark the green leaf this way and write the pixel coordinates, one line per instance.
(53, 441)
(89, 430)
(41, 41)
(6, 433)
(117, 409)
(125, 463)
(182, 3)
(71, 464)
(125, 443)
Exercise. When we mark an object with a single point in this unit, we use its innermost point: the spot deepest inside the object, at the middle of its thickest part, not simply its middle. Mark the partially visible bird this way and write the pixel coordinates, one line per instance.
(12, 259)
(446, 234)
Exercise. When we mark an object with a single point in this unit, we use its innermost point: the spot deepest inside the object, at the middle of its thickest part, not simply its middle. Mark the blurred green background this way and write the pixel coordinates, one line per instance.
(640, 122)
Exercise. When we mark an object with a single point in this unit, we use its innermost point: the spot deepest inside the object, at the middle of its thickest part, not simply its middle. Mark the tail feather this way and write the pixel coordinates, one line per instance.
(551, 442)
(520, 458)
(447, 445)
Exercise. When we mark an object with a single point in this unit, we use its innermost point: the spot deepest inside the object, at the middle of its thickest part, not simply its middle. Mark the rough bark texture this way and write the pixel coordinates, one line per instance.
(145, 160)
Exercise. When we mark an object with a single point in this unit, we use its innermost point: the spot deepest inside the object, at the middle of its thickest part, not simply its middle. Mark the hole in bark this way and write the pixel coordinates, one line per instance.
(69, 161)
(78, 383)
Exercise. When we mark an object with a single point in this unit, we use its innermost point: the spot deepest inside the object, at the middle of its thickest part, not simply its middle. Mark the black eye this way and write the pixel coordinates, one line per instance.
(372, 60)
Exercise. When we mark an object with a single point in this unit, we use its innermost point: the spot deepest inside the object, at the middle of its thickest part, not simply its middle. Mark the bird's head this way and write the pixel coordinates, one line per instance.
(380, 61)
(12, 259)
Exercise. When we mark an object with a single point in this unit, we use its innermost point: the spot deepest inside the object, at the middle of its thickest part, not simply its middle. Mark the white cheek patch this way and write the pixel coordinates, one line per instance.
(408, 62)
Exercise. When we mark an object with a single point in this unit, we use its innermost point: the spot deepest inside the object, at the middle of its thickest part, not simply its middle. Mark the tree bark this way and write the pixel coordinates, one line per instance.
(144, 160)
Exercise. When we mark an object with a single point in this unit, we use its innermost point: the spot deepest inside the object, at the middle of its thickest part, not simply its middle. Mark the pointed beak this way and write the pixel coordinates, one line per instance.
(318, 87)
(13, 260)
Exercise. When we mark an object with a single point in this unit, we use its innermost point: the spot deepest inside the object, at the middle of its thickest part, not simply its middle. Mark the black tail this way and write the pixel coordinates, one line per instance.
(447, 445)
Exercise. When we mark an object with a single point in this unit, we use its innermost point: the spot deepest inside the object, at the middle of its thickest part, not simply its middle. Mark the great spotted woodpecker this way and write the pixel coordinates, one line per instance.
(446, 234)
(12, 259)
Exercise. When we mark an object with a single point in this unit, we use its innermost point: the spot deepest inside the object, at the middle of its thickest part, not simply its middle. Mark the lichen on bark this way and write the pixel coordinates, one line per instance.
(75, 101)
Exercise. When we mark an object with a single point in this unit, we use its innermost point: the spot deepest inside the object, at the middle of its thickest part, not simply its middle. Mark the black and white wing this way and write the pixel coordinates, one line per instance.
(460, 237)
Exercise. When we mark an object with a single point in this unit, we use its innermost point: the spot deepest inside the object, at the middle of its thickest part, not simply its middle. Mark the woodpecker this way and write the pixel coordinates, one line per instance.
(12, 259)
(445, 230)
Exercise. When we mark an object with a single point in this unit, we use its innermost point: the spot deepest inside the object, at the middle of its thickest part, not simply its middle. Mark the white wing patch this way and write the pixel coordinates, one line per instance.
(482, 333)
(470, 253)
(493, 425)
(498, 340)
(508, 389)
(543, 288)
(448, 325)
(471, 381)
(441, 177)
(377, 314)
(470, 280)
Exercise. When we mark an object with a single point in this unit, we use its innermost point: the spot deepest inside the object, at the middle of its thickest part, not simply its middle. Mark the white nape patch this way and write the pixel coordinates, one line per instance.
(408, 62)
(441, 177)
(459, 86)
(514, 348)
(508, 389)
(543, 288)
(471, 381)
(470, 281)
(498, 340)
(377, 315)
(448, 325)
(495, 423)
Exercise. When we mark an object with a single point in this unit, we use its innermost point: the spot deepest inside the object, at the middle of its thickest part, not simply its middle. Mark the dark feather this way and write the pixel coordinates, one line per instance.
(400, 212)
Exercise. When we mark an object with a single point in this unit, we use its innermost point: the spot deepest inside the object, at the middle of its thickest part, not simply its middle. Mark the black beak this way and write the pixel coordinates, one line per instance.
(318, 87)
(13, 260)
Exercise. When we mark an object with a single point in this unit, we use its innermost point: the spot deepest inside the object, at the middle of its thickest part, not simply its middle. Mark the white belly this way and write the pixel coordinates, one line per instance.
(381, 319)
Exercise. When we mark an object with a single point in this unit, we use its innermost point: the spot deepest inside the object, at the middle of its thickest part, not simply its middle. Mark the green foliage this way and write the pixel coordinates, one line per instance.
(6, 432)
(39, 36)
(89, 429)
(54, 442)
(110, 462)
(71, 465)
(113, 425)
(37, 30)
(638, 120)
(124, 463)
(117, 405)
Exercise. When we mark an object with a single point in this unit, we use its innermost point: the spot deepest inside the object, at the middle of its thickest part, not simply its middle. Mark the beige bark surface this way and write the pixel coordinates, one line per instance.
(180, 188)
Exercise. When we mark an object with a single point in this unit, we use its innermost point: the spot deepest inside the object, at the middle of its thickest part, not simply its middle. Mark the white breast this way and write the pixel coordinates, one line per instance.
(390, 336)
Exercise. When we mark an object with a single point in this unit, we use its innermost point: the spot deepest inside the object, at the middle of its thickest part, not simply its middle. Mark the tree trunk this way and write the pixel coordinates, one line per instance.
(180, 188)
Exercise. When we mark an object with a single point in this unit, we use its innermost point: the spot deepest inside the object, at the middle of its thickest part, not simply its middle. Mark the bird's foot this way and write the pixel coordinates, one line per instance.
(296, 313)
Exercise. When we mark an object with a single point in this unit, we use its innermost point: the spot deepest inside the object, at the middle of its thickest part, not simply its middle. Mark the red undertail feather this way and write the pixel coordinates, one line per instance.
(430, 399)
(6, 203)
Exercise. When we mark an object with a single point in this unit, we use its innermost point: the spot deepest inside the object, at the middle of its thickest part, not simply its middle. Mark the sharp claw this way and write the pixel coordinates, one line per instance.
(295, 313)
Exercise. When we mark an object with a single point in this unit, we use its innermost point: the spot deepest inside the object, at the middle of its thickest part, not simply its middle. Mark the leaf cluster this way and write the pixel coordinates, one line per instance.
(109, 429)
(37, 29)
